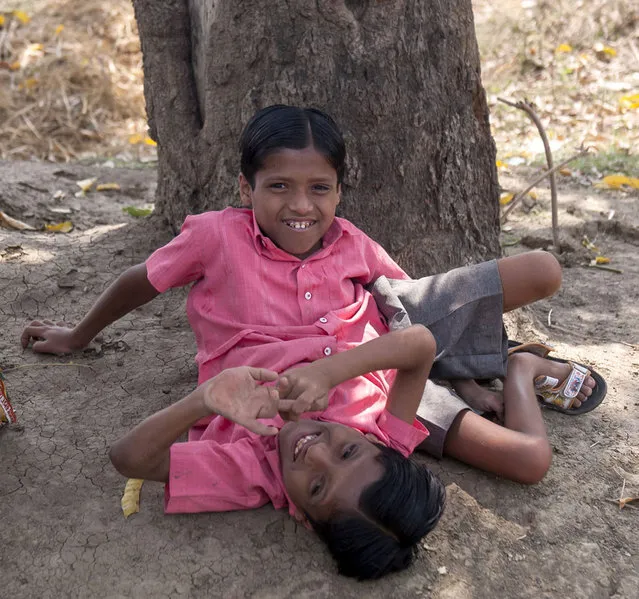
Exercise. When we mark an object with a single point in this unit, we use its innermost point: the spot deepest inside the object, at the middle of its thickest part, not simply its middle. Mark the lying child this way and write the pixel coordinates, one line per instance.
(281, 283)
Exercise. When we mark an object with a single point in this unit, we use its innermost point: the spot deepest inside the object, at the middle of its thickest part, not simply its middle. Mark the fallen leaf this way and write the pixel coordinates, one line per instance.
(604, 53)
(86, 184)
(1, 20)
(107, 187)
(602, 260)
(138, 138)
(63, 227)
(22, 16)
(618, 182)
(505, 198)
(589, 244)
(137, 212)
(13, 223)
(58, 30)
(626, 500)
(629, 102)
(150, 142)
(130, 501)
(563, 48)
(566, 172)
(60, 209)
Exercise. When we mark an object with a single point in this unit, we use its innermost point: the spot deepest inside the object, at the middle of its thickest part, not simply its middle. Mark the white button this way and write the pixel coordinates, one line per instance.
(323, 319)
(303, 265)
(308, 295)
(327, 351)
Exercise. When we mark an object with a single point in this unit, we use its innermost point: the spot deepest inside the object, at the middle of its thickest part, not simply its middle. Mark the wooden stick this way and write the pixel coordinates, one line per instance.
(527, 108)
(535, 181)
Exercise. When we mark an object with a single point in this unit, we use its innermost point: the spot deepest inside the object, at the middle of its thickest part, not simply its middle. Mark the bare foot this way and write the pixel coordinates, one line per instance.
(479, 398)
(558, 370)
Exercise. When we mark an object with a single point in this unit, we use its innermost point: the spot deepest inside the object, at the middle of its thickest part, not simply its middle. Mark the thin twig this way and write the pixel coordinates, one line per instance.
(535, 181)
(549, 317)
(608, 268)
(527, 108)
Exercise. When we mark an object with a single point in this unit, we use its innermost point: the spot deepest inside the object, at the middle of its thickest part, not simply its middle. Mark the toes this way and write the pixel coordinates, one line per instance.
(576, 403)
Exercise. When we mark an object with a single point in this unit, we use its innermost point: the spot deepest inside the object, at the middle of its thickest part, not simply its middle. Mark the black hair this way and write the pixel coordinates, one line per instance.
(281, 127)
(396, 512)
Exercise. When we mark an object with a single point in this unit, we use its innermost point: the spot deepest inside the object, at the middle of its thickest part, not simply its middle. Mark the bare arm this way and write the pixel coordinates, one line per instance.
(410, 351)
(130, 290)
(235, 393)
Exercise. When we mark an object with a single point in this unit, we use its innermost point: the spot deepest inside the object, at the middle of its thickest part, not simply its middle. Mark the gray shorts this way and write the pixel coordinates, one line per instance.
(463, 310)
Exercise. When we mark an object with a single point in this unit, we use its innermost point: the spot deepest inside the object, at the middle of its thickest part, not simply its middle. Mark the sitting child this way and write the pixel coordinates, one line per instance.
(281, 283)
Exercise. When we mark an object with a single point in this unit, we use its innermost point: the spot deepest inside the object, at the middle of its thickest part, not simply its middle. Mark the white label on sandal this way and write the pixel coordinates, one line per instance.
(575, 381)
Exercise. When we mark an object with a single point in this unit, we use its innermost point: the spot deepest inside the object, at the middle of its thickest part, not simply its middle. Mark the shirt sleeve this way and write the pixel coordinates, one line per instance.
(205, 476)
(379, 262)
(179, 262)
(402, 436)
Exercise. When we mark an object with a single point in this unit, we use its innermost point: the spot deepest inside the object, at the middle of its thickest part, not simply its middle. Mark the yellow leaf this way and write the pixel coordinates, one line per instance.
(28, 83)
(505, 198)
(64, 227)
(150, 142)
(532, 194)
(86, 184)
(14, 66)
(136, 138)
(629, 102)
(563, 48)
(130, 501)
(602, 260)
(566, 172)
(1, 20)
(589, 244)
(58, 30)
(23, 17)
(618, 182)
(107, 187)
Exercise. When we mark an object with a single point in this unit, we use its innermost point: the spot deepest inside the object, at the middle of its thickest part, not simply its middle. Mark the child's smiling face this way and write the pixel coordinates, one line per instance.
(294, 199)
(326, 466)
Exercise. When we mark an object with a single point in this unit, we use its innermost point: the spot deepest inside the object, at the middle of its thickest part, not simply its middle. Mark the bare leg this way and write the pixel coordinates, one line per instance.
(519, 450)
(527, 278)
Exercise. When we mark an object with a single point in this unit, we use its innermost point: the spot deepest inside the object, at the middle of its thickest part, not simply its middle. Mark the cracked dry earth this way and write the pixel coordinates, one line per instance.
(62, 533)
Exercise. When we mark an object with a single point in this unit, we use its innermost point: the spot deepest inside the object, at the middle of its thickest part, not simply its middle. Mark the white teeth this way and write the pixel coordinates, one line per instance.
(300, 444)
(299, 225)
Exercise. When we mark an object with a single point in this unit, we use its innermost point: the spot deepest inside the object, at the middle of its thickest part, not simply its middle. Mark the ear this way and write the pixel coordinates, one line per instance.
(246, 191)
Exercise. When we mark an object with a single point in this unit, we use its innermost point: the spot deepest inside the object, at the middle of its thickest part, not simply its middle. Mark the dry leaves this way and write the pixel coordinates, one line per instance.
(130, 501)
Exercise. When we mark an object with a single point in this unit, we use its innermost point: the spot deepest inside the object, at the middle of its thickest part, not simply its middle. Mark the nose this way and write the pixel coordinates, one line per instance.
(300, 203)
(318, 455)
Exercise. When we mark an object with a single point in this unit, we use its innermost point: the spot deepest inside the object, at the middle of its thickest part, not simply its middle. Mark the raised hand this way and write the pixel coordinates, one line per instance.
(303, 389)
(236, 394)
(50, 337)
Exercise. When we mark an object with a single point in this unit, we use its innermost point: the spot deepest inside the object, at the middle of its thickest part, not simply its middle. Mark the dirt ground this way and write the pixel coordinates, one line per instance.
(61, 528)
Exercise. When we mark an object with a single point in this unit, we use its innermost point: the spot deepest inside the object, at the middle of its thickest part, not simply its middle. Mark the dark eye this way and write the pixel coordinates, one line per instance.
(319, 188)
(349, 451)
(277, 186)
(316, 487)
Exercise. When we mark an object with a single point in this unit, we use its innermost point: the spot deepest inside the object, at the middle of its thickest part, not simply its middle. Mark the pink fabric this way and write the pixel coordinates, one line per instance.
(254, 304)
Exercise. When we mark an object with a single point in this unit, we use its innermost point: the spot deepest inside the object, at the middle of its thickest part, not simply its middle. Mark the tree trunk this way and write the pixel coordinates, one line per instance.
(401, 78)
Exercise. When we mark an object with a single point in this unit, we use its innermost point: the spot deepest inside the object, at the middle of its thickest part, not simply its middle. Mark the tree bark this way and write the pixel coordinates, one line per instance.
(401, 77)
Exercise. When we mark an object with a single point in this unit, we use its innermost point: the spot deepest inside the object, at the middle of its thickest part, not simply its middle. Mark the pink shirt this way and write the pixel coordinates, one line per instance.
(254, 304)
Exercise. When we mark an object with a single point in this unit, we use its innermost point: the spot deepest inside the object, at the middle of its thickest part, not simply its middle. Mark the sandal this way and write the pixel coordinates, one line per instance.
(561, 395)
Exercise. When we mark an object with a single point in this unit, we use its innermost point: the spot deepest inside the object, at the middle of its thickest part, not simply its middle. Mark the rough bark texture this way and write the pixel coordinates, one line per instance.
(402, 78)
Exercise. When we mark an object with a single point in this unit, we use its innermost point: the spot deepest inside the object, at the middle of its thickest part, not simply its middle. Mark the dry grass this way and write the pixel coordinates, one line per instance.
(77, 93)
(576, 60)
(71, 81)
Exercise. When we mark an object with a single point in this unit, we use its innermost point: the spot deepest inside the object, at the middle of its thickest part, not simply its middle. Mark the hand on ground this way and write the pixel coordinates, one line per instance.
(50, 337)
(237, 394)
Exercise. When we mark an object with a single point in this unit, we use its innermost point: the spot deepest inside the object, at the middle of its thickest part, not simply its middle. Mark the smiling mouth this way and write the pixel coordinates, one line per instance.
(302, 443)
(299, 225)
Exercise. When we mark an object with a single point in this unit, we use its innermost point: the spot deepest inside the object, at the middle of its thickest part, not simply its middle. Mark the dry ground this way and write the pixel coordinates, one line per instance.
(61, 530)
